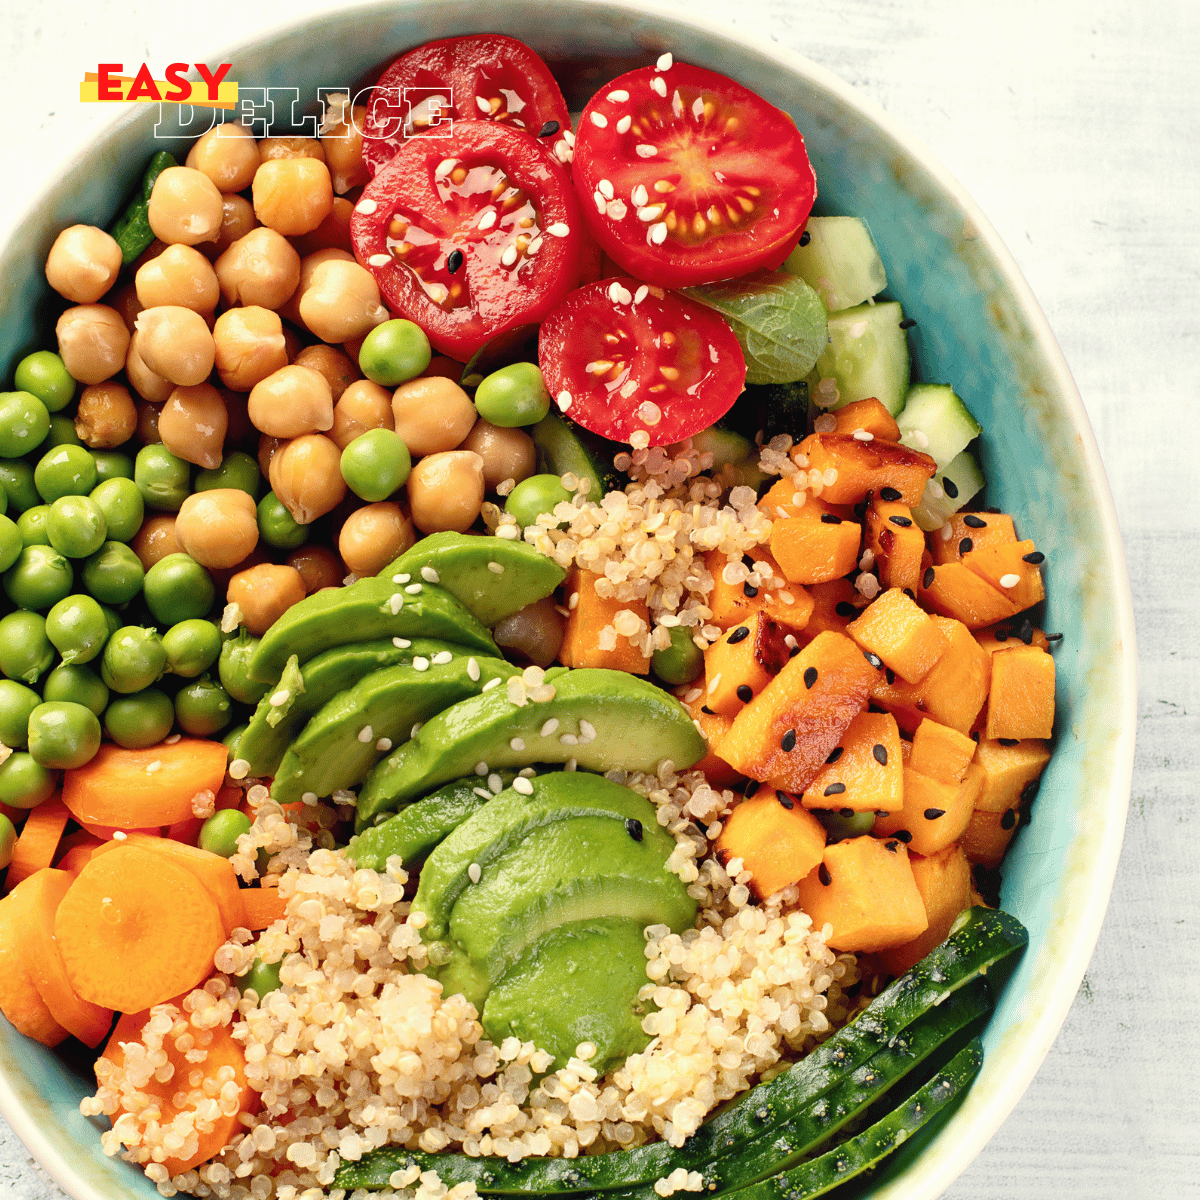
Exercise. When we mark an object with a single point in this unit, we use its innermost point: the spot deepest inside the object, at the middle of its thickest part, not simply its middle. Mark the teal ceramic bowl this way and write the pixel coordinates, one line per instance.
(978, 328)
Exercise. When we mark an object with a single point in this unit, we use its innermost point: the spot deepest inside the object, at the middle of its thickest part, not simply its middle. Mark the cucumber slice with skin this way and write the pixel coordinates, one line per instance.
(723, 444)
(839, 262)
(934, 419)
(566, 448)
(981, 938)
(867, 356)
(958, 482)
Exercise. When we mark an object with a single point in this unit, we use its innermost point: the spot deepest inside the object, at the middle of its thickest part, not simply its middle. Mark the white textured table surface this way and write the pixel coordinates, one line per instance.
(1074, 124)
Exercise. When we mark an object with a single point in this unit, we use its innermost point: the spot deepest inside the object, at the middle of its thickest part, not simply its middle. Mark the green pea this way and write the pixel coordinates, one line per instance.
(220, 833)
(163, 479)
(140, 720)
(8, 839)
(62, 433)
(681, 662)
(63, 735)
(536, 495)
(3, 501)
(33, 525)
(39, 578)
(203, 708)
(233, 669)
(77, 684)
(43, 374)
(25, 650)
(277, 526)
(375, 464)
(76, 526)
(133, 659)
(64, 471)
(237, 470)
(77, 627)
(263, 978)
(120, 501)
(114, 618)
(113, 574)
(394, 352)
(112, 464)
(514, 395)
(24, 423)
(24, 783)
(11, 542)
(192, 647)
(178, 588)
(839, 826)
(16, 477)
(16, 703)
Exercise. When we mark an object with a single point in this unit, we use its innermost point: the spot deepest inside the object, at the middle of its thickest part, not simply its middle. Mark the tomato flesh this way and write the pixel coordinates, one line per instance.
(426, 91)
(470, 236)
(620, 356)
(686, 177)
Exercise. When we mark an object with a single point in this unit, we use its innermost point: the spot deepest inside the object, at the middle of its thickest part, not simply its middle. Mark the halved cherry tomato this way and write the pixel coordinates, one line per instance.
(484, 75)
(687, 177)
(621, 356)
(471, 235)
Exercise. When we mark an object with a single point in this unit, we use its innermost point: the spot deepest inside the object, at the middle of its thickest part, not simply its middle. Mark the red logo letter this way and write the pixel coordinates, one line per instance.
(108, 88)
(144, 85)
(182, 88)
(213, 81)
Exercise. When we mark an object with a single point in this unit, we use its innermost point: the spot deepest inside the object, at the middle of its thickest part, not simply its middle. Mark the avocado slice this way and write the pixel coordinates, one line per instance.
(339, 745)
(494, 577)
(593, 971)
(636, 725)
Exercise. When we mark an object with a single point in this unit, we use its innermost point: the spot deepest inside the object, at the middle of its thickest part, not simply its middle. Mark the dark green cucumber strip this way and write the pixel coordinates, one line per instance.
(131, 230)
(864, 1150)
(981, 938)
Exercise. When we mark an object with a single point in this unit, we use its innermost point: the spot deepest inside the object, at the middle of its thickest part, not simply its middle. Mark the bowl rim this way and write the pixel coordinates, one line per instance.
(937, 1175)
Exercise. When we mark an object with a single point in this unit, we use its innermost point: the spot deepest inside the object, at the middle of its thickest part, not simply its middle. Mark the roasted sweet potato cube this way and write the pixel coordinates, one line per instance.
(988, 834)
(835, 605)
(897, 543)
(934, 813)
(864, 770)
(1002, 637)
(777, 840)
(588, 614)
(864, 467)
(792, 498)
(944, 883)
(815, 547)
(1009, 769)
(867, 416)
(941, 752)
(1008, 568)
(1021, 696)
(965, 532)
(742, 661)
(954, 590)
(734, 602)
(908, 640)
(713, 727)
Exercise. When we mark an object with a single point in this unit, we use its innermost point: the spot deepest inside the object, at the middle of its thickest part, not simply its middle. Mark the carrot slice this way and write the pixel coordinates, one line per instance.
(105, 833)
(137, 789)
(20, 1001)
(38, 842)
(188, 830)
(135, 929)
(36, 904)
(263, 907)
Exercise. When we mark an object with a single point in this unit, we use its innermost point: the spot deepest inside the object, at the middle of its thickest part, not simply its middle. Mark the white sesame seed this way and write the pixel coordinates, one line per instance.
(650, 212)
(920, 438)
(119, 835)
(624, 123)
(441, 658)
(483, 105)
(946, 531)
(379, 260)
(605, 188)
(645, 150)
(569, 739)
(698, 108)
(658, 85)
(559, 229)
(549, 727)
(617, 96)
(517, 745)
(665, 62)
(858, 329)
(599, 120)
(445, 167)
(573, 602)
(281, 697)
(496, 568)
(509, 256)
(412, 733)
(474, 871)
(482, 793)
(401, 643)
(487, 220)
(677, 105)
(430, 575)
(396, 602)
(565, 400)
(587, 731)
(402, 578)
(641, 294)
(863, 435)
(599, 201)
(383, 745)
(657, 233)
(521, 784)
(495, 783)
(472, 670)
(491, 683)
(481, 768)
(366, 206)
(714, 682)
(420, 663)
(527, 772)
(1009, 581)
(639, 195)
(935, 489)
(365, 734)
(619, 294)
(413, 589)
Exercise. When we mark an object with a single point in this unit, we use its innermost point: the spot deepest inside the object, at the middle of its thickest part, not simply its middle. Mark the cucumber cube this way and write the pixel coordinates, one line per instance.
(959, 481)
(934, 419)
(867, 356)
(839, 262)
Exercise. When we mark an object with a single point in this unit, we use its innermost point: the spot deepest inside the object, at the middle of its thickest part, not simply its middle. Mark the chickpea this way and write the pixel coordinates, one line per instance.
(290, 311)
(306, 475)
(147, 383)
(147, 425)
(192, 426)
(240, 429)
(338, 370)
(228, 155)
(264, 593)
(83, 263)
(373, 536)
(291, 401)
(156, 247)
(292, 195)
(180, 276)
(92, 342)
(176, 344)
(364, 405)
(268, 447)
(260, 268)
(291, 147)
(222, 575)
(341, 135)
(185, 206)
(293, 343)
(249, 346)
(341, 302)
(319, 567)
(432, 414)
(445, 491)
(237, 219)
(333, 233)
(218, 528)
(506, 453)
(535, 633)
(156, 539)
(125, 301)
(106, 417)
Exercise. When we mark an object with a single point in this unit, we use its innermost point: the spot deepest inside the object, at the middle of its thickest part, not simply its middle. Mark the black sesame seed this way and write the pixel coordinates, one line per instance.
(788, 741)
(785, 800)
(633, 827)
(1036, 557)
(932, 814)
(834, 789)
(950, 487)
(903, 835)
(1054, 637)
(549, 129)
(823, 875)
(1002, 635)
(903, 522)
(744, 694)
(966, 546)
(860, 510)
(835, 754)
(975, 736)
(890, 675)
(1009, 819)
(752, 786)
(844, 608)
(454, 260)
(974, 522)
(810, 676)
(845, 812)
(873, 659)
(880, 753)
(830, 519)
(1009, 741)
(907, 323)
(794, 651)
(910, 593)
(889, 493)
(1030, 790)
(890, 846)
(750, 592)
(805, 238)
(740, 633)
(705, 709)
(993, 511)
(928, 578)
(1025, 633)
